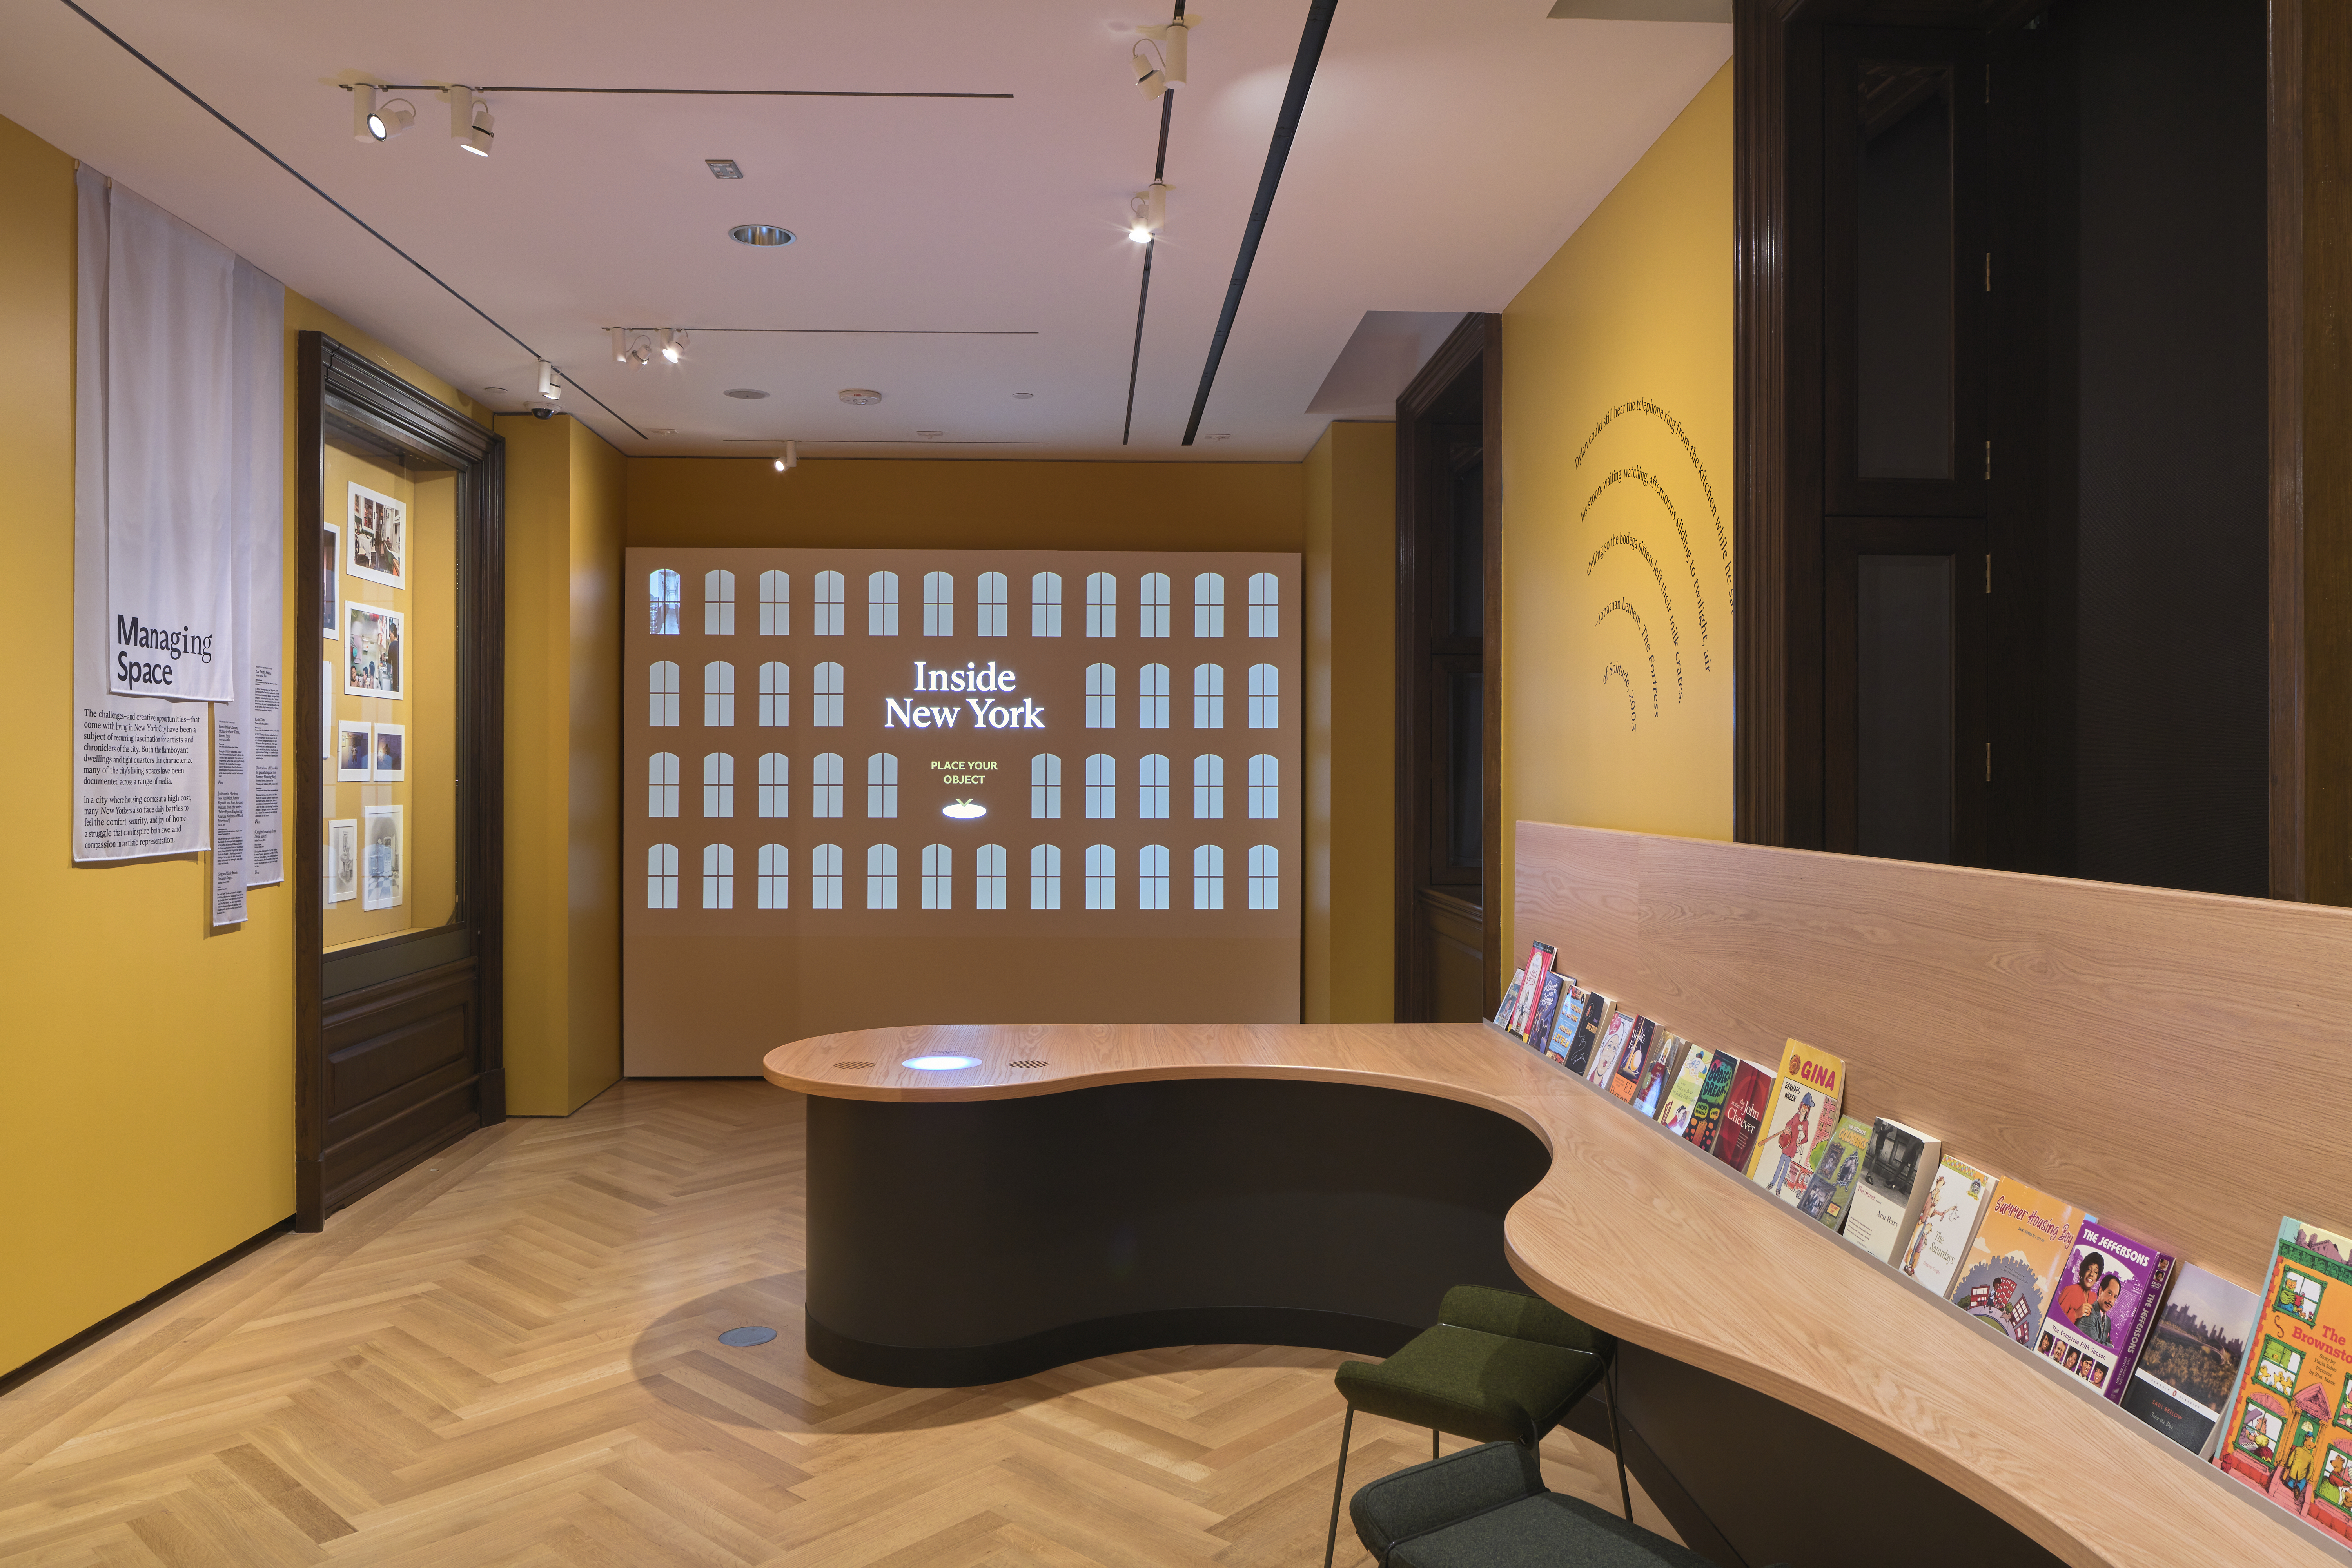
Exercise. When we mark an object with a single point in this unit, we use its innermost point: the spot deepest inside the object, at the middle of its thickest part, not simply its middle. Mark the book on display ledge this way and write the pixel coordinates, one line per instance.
(1622, 1023)
(1829, 1191)
(2012, 1266)
(1555, 986)
(2189, 1363)
(2288, 1435)
(1955, 1206)
(1743, 1115)
(1896, 1168)
(1510, 999)
(2105, 1303)
(1569, 1018)
(1540, 961)
(1625, 1079)
(1668, 1050)
(1597, 1012)
(1707, 1110)
(1682, 1100)
(1801, 1114)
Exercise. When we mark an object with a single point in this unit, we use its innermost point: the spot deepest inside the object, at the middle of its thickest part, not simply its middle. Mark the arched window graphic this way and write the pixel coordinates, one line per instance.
(1209, 605)
(1102, 786)
(1264, 877)
(718, 604)
(1151, 876)
(827, 705)
(661, 785)
(882, 785)
(1208, 878)
(1151, 788)
(1045, 876)
(775, 786)
(662, 596)
(1102, 604)
(1264, 678)
(775, 612)
(1152, 699)
(882, 605)
(717, 784)
(776, 876)
(824, 784)
(1208, 696)
(988, 881)
(994, 617)
(1045, 786)
(775, 695)
(938, 604)
(829, 615)
(1102, 877)
(825, 877)
(717, 695)
(1266, 605)
(1102, 697)
(1265, 791)
(882, 877)
(661, 877)
(718, 877)
(661, 683)
(1208, 789)
(939, 877)
(1154, 610)
(1045, 609)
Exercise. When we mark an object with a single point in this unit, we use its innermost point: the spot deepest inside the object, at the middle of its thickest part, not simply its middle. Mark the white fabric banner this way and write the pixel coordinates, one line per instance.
(245, 732)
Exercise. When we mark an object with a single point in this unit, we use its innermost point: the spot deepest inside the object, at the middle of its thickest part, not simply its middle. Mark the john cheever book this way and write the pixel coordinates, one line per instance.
(2289, 1436)
(1743, 1114)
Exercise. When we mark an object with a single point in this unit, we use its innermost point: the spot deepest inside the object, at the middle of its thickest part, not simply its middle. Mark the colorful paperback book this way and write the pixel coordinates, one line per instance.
(1743, 1114)
(2016, 1262)
(1675, 1115)
(1634, 1059)
(1613, 1040)
(1897, 1169)
(1566, 1019)
(1707, 1110)
(1666, 1053)
(1955, 1203)
(1555, 986)
(1587, 1038)
(1510, 998)
(1801, 1114)
(1540, 958)
(2107, 1294)
(1829, 1191)
(2289, 1436)
(2190, 1361)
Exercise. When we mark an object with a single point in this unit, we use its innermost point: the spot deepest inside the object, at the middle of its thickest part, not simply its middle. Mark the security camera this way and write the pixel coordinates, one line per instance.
(542, 414)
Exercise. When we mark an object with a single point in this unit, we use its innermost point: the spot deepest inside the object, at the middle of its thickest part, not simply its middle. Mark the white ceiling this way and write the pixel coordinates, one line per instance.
(1446, 152)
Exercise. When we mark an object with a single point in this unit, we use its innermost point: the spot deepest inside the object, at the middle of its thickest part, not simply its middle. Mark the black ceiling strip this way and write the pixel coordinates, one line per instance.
(1285, 126)
(863, 331)
(677, 91)
(125, 45)
(1143, 295)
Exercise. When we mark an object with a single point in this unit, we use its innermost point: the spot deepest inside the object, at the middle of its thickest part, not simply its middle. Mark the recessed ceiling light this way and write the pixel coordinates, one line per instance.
(494, 389)
(724, 168)
(931, 435)
(860, 395)
(760, 234)
(1025, 395)
(748, 393)
(661, 430)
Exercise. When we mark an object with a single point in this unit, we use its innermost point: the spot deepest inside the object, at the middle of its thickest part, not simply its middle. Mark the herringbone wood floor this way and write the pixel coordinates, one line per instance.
(510, 1357)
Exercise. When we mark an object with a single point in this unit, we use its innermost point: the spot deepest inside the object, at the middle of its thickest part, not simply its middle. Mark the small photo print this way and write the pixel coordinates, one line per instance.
(355, 751)
(372, 653)
(378, 538)
(383, 884)
(330, 597)
(327, 710)
(342, 860)
(390, 753)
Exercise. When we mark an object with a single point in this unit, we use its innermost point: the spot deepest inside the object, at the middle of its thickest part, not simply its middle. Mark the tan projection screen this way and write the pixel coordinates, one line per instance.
(869, 787)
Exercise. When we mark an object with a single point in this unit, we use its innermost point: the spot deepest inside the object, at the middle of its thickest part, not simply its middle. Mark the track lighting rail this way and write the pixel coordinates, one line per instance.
(679, 91)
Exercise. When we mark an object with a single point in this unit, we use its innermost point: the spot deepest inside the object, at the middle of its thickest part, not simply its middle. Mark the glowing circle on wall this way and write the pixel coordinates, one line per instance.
(963, 810)
(941, 1064)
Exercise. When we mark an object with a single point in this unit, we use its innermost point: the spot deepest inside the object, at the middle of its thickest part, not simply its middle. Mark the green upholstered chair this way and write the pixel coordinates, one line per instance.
(1487, 1508)
(1498, 1367)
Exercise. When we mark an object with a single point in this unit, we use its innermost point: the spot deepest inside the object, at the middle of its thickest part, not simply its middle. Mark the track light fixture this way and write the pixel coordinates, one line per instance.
(1154, 78)
(371, 122)
(632, 347)
(791, 459)
(469, 119)
(547, 387)
(673, 344)
(1150, 207)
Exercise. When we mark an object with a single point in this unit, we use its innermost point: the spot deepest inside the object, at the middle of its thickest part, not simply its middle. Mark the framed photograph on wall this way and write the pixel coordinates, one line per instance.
(383, 873)
(343, 860)
(330, 598)
(373, 652)
(378, 528)
(391, 764)
(327, 711)
(355, 751)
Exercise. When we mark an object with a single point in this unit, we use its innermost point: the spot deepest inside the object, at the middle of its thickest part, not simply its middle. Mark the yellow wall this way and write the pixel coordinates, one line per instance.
(1617, 408)
(564, 487)
(1350, 828)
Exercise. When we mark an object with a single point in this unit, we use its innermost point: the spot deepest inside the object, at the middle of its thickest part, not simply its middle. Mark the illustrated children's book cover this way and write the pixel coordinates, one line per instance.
(2012, 1266)
(1613, 1041)
(1804, 1112)
(1510, 998)
(1634, 1059)
(1555, 986)
(1947, 1224)
(1675, 1115)
(1540, 960)
(1895, 1170)
(2105, 1305)
(1706, 1111)
(1829, 1191)
(2289, 1436)
(1743, 1114)
(2190, 1364)
(1566, 1017)
(1666, 1053)
(1587, 1038)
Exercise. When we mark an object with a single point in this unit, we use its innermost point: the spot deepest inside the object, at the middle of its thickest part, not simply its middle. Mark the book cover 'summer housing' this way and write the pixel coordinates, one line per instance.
(2012, 1266)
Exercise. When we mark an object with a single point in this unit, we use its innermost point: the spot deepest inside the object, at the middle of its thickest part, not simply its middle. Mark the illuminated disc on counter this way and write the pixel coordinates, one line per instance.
(941, 1064)
(964, 810)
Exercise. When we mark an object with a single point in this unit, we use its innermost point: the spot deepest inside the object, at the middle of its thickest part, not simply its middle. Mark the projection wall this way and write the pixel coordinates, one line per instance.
(890, 786)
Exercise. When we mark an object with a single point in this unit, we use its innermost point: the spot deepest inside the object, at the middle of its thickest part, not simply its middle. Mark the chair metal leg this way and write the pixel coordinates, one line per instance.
(1616, 1441)
(1338, 1487)
(1432, 1444)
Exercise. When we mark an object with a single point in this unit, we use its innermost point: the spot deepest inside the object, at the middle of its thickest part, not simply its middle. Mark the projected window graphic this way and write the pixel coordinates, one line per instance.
(882, 877)
(1265, 604)
(775, 786)
(1045, 786)
(718, 785)
(1209, 605)
(826, 683)
(992, 610)
(1264, 682)
(1102, 697)
(718, 877)
(776, 876)
(1151, 788)
(661, 682)
(1152, 605)
(662, 594)
(825, 877)
(1265, 782)
(1102, 877)
(1102, 604)
(661, 877)
(775, 610)
(824, 784)
(661, 785)
(882, 605)
(718, 604)
(775, 695)
(1209, 876)
(988, 878)
(1102, 786)
(1045, 604)
(939, 877)
(1152, 878)
(1208, 788)
(1264, 877)
(939, 607)
(1151, 699)
(717, 695)
(1208, 696)
(829, 608)
(1045, 876)
(882, 785)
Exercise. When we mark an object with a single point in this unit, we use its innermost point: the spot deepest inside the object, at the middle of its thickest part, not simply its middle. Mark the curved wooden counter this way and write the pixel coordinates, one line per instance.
(1636, 1232)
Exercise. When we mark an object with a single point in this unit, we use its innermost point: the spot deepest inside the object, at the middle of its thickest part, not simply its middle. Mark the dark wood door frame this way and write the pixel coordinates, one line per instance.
(456, 973)
(1478, 340)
